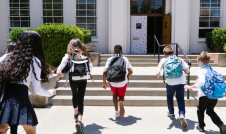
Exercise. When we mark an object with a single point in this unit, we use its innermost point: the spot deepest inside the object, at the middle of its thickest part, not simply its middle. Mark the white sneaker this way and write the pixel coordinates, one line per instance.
(172, 116)
(117, 114)
(184, 123)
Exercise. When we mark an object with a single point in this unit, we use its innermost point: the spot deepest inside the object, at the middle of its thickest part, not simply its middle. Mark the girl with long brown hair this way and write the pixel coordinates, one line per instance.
(78, 87)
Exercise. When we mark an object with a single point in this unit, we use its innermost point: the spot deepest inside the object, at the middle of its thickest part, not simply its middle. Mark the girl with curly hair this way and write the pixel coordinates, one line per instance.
(18, 69)
(78, 87)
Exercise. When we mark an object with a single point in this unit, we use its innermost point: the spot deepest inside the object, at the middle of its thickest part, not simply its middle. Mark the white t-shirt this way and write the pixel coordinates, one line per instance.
(200, 81)
(180, 80)
(36, 85)
(128, 66)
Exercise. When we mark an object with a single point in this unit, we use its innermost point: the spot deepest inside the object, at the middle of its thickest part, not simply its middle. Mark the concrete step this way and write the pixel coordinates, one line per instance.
(129, 101)
(132, 83)
(139, 77)
(129, 91)
(150, 60)
(147, 56)
(152, 64)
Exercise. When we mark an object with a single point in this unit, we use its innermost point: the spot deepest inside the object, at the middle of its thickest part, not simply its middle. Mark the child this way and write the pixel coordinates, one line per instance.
(175, 85)
(118, 88)
(78, 87)
(25, 65)
(204, 102)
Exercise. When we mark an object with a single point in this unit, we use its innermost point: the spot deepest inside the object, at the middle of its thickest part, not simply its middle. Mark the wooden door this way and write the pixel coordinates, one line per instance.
(166, 29)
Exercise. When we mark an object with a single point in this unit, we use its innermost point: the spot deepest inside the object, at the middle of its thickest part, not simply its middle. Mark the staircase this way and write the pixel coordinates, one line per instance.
(144, 89)
(150, 60)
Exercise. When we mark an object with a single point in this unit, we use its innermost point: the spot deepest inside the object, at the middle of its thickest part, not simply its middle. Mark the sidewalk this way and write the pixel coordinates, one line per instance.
(137, 120)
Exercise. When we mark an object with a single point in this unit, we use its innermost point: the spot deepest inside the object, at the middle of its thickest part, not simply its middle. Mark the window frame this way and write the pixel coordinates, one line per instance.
(209, 16)
(43, 17)
(95, 16)
(19, 16)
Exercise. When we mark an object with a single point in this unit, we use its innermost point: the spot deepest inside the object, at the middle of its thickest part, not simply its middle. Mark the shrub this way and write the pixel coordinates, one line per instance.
(87, 35)
(225, 47)
(55, 39)
(216, 40)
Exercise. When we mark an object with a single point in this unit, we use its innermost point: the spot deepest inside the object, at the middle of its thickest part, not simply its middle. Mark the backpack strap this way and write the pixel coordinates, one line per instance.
(70, 66)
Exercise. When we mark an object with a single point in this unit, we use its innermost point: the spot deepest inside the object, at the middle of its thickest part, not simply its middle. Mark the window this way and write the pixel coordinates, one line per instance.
(146, 6)
(53, 11)
(209, 16)
(19, 13)
(86, 15)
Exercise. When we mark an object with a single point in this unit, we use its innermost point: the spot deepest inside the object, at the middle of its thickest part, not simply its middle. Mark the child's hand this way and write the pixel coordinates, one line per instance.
(187, 87)
(158, 75)
(54, 91)
(60, 74)
(104, 86)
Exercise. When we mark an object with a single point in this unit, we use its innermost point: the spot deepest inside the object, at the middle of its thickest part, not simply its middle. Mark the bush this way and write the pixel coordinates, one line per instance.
(87, 35)
(216, 40)
(55, 39)
(225, 47)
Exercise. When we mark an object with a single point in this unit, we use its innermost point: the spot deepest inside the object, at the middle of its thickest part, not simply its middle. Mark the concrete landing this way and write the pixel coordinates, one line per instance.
(137, 120)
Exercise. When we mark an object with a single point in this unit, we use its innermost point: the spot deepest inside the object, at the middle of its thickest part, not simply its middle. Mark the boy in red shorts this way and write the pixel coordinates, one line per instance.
(118, 88)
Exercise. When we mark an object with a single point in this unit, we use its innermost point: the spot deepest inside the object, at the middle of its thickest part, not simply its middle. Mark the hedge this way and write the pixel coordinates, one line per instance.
(87, 35)
(216, 40)
(55, 39)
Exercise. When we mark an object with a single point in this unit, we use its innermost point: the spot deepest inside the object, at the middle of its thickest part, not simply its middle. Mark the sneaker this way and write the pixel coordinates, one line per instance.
(79, 127)
(223, 129)
(200, 129)
(117, 114)
(172, 116)
(184, 123)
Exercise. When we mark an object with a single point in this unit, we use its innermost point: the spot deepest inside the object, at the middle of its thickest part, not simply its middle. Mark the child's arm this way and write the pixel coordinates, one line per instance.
(104, 85)
(130, 73)
(159, 69)
(200, 81)
(62, 65)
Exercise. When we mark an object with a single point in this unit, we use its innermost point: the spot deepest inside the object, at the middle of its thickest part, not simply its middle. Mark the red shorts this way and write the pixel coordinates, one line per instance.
(119, 91)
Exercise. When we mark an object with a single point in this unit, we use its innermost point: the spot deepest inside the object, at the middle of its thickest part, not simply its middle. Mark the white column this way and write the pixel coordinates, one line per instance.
(181, 23)
(69, 7)
(4, 28)
(119, 25)
(36, 13)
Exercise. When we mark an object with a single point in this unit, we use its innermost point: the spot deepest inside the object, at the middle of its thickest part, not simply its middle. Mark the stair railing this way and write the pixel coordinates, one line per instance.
(177, 46)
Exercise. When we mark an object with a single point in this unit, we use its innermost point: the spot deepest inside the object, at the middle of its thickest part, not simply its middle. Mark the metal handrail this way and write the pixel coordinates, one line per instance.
(177, 46)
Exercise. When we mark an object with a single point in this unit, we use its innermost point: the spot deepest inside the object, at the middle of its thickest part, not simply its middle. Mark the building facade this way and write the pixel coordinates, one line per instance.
(130, 23)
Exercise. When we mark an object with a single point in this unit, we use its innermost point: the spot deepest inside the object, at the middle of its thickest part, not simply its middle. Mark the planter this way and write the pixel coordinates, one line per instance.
(42, 101)
(96, 57)
(219, 59)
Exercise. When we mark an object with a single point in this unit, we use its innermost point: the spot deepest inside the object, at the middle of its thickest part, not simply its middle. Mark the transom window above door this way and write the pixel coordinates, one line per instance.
(147, 6)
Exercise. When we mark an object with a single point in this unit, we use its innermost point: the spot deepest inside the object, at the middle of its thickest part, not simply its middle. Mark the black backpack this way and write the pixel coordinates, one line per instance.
(78, 69)
(117, 69)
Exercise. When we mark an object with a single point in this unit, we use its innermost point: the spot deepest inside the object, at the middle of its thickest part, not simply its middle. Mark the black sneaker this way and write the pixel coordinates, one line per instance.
(223, 129)
(172, 116)
(200, 129)
(79, 127)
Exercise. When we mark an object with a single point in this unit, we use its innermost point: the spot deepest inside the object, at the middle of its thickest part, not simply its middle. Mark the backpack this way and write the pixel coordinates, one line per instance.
(117, 69)
(79, 69)
(214, 87)
(173, 67)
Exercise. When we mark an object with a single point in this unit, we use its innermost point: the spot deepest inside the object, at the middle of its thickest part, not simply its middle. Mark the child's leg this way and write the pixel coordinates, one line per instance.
(210, 111)
(115, 101)
(122, 110)
(13, 129)
(203, 103)
(180, 99)
(170, 90)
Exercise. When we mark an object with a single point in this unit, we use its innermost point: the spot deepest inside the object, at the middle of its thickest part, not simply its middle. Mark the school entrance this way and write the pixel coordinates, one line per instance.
(148, 19)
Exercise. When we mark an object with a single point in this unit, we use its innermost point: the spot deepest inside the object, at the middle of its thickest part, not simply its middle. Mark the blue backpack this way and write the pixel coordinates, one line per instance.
(214, 87)
(173, 67)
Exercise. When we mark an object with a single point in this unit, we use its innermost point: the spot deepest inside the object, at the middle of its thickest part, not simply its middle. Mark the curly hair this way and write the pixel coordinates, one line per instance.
(16, 67)
(77, 44)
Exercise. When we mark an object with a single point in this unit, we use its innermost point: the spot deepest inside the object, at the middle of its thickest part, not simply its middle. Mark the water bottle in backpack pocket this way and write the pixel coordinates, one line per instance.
(173, 67)
(214, 87)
